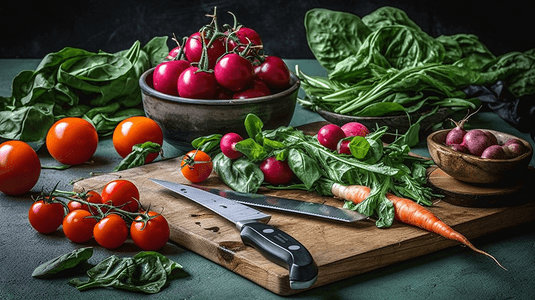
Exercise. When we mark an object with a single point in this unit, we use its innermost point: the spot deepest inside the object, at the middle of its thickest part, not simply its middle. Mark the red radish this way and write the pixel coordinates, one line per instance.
(274, 72)
(256, 89)
(194, 45)
(355, 129)
(476, 141)
(228, 145)
(173, 53)
(276, 171)
(456, 135)
(233, 72)
(513, 148)
(166, 75)
(329, 136)
(197, 84)
(494, 152)
(491, 137)
(343, 147)
(460, 148)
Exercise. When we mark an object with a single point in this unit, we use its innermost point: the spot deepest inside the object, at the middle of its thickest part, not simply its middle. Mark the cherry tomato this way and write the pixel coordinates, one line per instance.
(197, 85)
(78, 226)
(93, 197)
(136, 130)
(154, 235)
(173, 53)
(233, 72)
(19, 168)
(165, 76)
(193, 49)
(111, 232)
(244, 35)
(274, 72)
(46, 217)
(196, 166)
(72, 141)
(118, 192)
(256, 89)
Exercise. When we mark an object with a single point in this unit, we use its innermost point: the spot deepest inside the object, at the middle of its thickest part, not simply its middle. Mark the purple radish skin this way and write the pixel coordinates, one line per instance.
(460, 148)
(329, 136)
(476, 141)
(491, 137)
(228, 145)
(513, 149)
(494, 152)
(343, 147)
(355, 129)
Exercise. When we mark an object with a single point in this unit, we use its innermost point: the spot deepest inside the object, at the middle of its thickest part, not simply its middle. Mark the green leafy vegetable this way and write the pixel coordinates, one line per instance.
(384, 169)
(146, 272)
(138, 155)
(384, 64)
(100, 87)
(63, 263)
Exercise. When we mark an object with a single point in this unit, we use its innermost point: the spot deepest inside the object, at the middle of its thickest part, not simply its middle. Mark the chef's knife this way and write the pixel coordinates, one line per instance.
(273, 243)
(289, 205)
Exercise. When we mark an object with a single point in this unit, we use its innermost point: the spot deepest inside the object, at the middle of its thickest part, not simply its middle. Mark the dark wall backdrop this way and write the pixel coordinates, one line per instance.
(31, 29)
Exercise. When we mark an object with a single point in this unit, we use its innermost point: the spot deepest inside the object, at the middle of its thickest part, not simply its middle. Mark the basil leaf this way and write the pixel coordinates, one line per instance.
(63, 263)
(207, 143)
(254, 151)
(253, 126)
(146, 272)
(240, 175)
(359, 147)
(304, 167)
(138, 155)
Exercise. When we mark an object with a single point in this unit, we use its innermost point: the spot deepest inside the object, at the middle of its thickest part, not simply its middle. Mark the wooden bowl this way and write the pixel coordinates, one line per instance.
(182, 119)
(472, 169)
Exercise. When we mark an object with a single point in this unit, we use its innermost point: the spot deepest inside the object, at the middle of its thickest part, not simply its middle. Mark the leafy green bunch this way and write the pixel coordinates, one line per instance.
(383, 168)
(100, 87)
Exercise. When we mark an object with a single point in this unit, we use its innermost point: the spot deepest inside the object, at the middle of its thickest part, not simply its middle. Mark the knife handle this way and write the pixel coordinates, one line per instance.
(284, 250)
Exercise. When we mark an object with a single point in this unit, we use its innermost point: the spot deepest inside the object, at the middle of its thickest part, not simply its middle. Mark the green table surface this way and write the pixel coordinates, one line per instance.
(453, 273)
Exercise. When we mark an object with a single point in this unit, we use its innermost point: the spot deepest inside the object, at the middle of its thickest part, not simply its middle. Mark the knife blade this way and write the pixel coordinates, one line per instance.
(289, 205)
(273, 243)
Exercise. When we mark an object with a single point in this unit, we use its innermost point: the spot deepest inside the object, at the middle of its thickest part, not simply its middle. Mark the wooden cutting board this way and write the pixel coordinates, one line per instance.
(340, 250)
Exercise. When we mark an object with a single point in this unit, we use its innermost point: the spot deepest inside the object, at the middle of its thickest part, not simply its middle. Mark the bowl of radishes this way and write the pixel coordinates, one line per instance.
(479, 155)
(213, 79)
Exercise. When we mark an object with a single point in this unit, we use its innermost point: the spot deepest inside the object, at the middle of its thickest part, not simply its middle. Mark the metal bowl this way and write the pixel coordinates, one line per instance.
(473, 169)
(395, 123)
(182, 119)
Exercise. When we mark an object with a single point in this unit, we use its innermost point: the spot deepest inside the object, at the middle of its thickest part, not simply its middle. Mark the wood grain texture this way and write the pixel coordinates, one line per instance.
(340, 250)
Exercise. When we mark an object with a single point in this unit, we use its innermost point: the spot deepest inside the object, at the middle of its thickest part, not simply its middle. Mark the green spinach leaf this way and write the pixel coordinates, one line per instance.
(63, 263)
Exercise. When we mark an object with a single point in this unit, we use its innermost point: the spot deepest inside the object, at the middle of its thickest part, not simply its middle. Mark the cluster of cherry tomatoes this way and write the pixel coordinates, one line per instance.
(109, 217)
(221, 63)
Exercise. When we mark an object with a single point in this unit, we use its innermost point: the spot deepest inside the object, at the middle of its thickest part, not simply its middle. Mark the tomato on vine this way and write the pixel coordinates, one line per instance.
(196, 166)
(19, 168)
(111, 231)
(78, 226)
(72, 141)
(121, 193)
(151, 234)
(46, 216)
(91, 197)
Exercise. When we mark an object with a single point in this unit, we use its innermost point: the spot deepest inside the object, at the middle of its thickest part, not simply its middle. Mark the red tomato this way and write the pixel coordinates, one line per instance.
(19, 168)
(119, 192)
(154, 235)
(78, 226)
(46, 217)
(111, 232)
(233, 72)
(136, 130)
(165, 76)
(274, 72)
(196, 166)
(244, 35)
(72, 141)
(193, 49)
(92, 197)
(256, 89)
(196, 84)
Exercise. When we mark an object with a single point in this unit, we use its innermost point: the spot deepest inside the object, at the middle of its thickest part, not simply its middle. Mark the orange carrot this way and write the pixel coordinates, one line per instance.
(408, 212)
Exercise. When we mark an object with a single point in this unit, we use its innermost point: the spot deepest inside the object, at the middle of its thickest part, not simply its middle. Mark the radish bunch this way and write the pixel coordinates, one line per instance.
(482, 143)
(338, 138)
(221, 63)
